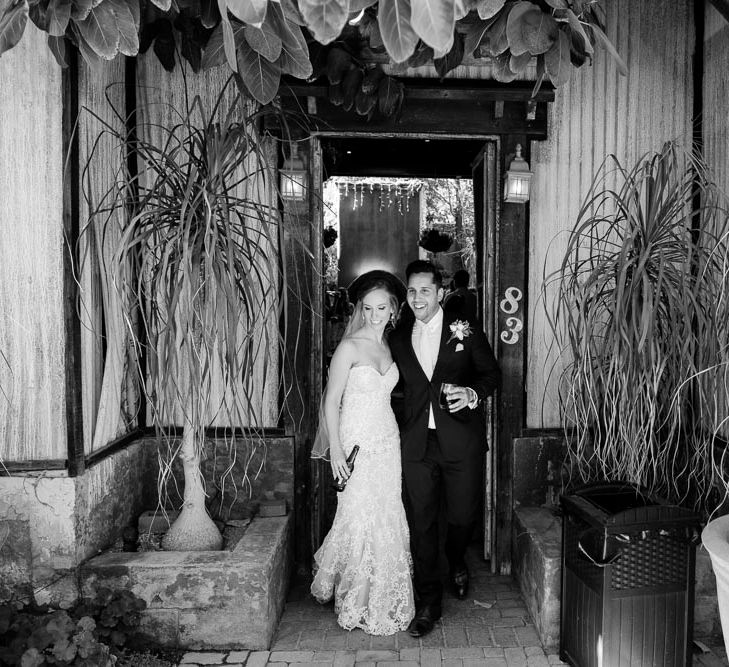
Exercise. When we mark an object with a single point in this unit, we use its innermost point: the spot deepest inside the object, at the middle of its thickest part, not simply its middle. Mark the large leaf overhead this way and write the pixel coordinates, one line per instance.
(252, 12)
(294, 57)
(529, 30)
(260, 76)
(127, 25)
(433, 21)
(489, 8)
(100, 30)
(325, 18)
(264, 40)
(58, 15)
(13, 17)
(398, 36)
(557, 60)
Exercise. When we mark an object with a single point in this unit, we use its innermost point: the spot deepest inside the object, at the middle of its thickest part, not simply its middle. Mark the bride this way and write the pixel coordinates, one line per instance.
(364, 562)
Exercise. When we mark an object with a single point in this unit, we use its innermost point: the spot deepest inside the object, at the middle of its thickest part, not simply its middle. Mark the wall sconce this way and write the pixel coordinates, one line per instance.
(518, 178)
(293, 176)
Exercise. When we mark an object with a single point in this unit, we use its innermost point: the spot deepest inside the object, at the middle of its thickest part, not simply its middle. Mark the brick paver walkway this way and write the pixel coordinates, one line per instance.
(492, 628)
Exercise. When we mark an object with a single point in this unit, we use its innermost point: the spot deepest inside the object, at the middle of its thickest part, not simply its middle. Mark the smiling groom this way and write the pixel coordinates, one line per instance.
(442, 449)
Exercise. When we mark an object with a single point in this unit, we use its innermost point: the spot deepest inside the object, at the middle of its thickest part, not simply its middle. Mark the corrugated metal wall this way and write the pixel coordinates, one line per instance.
(597, 113)
(32, 346)
(716, 95)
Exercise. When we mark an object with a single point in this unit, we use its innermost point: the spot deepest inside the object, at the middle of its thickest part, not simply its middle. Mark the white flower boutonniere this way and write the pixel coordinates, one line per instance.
(460, 330)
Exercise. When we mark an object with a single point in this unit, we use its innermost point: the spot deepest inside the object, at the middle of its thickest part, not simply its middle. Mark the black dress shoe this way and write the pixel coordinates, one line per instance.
(423, 623)
(459, 579)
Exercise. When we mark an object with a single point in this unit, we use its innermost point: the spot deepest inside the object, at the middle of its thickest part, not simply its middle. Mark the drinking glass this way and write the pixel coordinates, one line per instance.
(445, 390)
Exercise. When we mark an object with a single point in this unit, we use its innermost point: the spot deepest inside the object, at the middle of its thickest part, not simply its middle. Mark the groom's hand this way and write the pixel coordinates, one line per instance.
(459, 398)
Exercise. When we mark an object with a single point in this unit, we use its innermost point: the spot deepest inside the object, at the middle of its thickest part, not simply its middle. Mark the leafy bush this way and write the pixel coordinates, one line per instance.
(84, 636)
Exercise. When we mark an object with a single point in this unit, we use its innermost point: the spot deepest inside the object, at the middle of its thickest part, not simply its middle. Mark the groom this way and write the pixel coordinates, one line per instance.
(442, 449)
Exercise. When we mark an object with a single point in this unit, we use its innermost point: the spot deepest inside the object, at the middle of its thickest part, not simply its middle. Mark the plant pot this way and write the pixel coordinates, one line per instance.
(715, 538)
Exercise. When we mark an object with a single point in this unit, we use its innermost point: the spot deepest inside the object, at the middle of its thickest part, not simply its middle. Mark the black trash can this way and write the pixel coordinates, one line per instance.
(628, 562)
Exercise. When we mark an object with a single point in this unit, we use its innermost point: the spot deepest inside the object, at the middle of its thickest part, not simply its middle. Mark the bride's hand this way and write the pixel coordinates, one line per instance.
(340, 469)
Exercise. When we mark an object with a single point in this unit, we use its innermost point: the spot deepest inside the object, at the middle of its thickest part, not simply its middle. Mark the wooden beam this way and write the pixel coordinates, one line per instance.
(72, 323)
(435, 116)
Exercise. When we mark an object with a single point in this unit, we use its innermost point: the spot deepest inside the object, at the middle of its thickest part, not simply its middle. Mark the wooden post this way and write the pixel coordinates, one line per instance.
(72, 323)
(511, 299)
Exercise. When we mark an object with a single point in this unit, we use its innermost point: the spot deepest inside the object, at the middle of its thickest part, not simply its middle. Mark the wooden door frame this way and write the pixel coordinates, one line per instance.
(506, 416)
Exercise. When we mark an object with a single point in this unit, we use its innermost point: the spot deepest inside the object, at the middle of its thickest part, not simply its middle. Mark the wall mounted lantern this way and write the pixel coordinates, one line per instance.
(518, 178)
(293, 176)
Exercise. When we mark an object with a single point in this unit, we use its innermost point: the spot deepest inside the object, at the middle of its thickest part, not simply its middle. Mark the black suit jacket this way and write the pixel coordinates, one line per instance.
(462, 434)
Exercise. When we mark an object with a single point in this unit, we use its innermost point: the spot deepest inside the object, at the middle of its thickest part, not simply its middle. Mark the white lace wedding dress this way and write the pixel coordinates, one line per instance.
(364, 562)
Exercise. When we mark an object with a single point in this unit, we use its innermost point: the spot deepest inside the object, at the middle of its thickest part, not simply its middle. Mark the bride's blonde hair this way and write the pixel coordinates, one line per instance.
(356, 319)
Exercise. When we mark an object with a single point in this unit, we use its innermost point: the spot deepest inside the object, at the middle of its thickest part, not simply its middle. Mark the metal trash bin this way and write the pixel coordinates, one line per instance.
(628, 562)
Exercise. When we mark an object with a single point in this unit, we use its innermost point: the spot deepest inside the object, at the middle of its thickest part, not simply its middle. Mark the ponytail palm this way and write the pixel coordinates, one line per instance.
(641, 315)
(201, 237)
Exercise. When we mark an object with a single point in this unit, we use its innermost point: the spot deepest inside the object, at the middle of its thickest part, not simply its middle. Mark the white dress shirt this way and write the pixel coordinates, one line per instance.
(426, 344)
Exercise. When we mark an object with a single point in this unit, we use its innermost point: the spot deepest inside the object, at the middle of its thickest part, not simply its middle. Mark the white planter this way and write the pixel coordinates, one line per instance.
(715, 538)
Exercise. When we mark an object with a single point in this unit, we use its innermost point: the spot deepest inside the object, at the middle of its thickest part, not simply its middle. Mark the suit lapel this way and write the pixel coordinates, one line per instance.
(406, 341)
(442, 349)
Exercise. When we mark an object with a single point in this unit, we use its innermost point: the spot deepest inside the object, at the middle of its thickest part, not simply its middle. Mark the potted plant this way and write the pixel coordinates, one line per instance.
(639, 315)
(199, 236)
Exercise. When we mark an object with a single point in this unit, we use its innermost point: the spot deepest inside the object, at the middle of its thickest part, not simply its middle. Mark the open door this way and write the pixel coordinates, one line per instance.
(484, 204)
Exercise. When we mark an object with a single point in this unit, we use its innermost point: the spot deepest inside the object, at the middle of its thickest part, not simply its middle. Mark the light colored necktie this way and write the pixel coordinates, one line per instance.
(426, 354)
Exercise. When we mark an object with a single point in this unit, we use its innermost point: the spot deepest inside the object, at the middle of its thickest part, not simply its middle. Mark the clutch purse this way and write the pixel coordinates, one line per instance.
(340, 484)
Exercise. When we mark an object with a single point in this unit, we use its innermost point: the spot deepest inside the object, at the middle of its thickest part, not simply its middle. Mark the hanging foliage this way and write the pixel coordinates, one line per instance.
(263, 40)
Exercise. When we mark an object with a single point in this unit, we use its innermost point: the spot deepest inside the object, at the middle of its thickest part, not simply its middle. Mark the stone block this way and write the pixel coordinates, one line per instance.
(15, 559)
(220, 599)
(537, 559)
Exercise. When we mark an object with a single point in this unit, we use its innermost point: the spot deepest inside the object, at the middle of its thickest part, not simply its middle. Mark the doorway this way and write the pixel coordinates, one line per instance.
(380, 172)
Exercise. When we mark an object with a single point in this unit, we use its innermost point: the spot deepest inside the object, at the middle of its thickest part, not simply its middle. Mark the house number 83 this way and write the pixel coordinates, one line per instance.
(509, 305)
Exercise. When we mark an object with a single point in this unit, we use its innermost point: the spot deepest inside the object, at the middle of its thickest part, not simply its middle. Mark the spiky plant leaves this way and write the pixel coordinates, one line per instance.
(640, 314)
(398, 36)
(557, 60)
(452, 59)
(264, 40)
(489, 8)
(391, 94)
(338, 63)
(100, 30)
(260, 76)
(252, 12)
(13, 18)
(433, 21)
(529, 30)
(325, 18)
(351, 86)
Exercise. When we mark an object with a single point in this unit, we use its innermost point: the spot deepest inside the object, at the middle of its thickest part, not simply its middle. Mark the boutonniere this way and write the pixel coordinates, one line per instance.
(460, 330)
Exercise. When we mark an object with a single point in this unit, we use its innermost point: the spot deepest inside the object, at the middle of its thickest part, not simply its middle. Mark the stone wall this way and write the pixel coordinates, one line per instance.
(55, 522)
